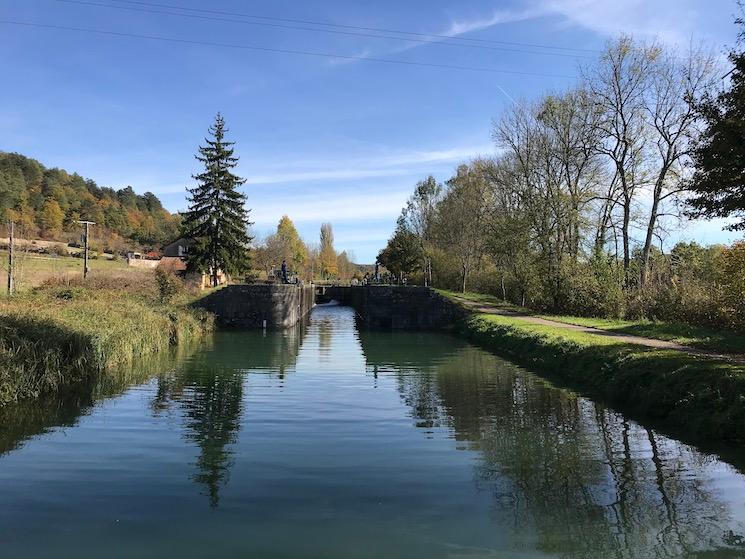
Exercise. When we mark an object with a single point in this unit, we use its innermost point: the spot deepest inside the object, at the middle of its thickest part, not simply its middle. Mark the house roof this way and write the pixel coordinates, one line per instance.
(171, 249)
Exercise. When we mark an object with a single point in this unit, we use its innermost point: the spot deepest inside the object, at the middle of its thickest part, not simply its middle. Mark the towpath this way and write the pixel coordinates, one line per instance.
(626, 338)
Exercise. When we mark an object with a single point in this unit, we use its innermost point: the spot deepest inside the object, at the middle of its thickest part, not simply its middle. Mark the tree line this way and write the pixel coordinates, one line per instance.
(572, 213)
(308, 261)
(46, 202)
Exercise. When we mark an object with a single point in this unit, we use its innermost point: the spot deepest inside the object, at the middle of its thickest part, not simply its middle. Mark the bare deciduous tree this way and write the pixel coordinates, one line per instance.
(618, 85)
(675, 85)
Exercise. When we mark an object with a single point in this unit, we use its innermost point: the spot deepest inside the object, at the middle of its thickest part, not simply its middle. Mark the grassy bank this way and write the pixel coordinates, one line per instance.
(66, 332)
(701, 337)
(702, 398)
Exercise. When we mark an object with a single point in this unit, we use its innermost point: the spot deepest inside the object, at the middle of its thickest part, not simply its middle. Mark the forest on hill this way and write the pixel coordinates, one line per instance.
(46, 202)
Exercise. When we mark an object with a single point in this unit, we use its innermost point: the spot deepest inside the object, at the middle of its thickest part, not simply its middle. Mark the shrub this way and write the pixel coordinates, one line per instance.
(169, 285)
(59, 250)
(69, 293)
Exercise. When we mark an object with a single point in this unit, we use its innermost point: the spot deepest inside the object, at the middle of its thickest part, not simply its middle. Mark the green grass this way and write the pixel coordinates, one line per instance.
(33, 270)
(701, 337)
(699, 398)
(483, 298)
(63, 334)
(557, 332)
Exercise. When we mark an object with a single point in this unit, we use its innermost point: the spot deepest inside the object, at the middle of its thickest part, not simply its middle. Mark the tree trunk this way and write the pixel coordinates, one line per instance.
(625, 235)
(650, 233)
(464, 273)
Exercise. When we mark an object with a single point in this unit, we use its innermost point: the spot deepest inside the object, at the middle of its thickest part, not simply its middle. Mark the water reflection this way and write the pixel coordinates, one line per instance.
(208, 391)
(24, 420)
(588, 482)
(331, 442)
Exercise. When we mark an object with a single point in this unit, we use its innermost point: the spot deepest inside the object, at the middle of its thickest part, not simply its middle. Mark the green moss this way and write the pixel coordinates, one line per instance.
(704, 398)
(59, 336)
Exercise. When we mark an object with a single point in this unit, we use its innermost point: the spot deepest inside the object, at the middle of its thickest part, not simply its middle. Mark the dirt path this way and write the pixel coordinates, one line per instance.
(626, 338)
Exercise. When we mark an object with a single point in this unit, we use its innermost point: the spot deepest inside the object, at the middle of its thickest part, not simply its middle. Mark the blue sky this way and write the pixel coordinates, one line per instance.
(320, 138)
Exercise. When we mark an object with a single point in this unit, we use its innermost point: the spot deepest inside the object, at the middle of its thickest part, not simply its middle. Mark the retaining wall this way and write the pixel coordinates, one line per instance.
(403, 307)
(249, 306)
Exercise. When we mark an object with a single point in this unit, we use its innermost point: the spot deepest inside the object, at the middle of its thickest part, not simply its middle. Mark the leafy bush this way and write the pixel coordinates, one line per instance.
(59, 250)
(68, 293)
(169, 285)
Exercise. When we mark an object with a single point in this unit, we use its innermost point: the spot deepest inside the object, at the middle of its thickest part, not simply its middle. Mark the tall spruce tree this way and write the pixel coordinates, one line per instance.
(217, 219)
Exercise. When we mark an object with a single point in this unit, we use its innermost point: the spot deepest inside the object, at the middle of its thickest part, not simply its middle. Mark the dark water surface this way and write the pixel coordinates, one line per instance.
(327, 442)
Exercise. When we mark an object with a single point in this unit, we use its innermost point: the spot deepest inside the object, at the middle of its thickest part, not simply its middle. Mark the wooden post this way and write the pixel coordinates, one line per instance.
(85, 246)
(85, 263)
(11, 286)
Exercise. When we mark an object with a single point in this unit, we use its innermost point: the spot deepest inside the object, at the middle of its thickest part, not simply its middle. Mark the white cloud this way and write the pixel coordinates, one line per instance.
(671, 21)
(333, 206)
(364, 53)
(456, 28)
(350, 168)
(499, 17)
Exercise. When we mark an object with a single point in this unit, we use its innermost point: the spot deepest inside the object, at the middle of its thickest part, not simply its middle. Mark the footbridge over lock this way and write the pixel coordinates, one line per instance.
(280, 306)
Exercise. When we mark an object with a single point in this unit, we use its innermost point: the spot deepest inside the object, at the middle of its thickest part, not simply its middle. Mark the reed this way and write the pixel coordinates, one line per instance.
(58, 335)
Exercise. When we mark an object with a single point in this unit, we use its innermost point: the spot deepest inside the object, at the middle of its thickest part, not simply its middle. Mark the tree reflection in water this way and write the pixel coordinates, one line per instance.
(24, 420)
(585, 480)
(561, 474)
(209, 391)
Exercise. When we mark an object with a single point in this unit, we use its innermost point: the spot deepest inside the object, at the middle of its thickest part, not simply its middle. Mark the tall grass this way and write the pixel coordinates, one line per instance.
(67, 332)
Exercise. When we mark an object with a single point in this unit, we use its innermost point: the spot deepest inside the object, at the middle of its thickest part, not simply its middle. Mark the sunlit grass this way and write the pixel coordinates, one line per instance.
(478, 298)
(702, 337)
(33, 270)
(686, 334)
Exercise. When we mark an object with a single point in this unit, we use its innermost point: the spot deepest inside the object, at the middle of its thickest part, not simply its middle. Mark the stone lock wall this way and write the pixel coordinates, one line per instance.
(377, 306)
(249, 306)
(403, 308)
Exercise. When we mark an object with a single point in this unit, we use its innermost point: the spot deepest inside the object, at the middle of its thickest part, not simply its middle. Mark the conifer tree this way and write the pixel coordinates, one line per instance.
(217, 219)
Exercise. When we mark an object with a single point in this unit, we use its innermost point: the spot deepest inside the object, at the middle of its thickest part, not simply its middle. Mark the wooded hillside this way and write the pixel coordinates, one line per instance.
(46, 203)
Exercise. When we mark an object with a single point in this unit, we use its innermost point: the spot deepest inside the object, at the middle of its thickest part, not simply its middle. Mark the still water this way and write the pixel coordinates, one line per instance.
(328, 442)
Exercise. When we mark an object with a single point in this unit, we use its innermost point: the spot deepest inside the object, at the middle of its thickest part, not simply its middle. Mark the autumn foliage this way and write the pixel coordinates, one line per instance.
(46, 203)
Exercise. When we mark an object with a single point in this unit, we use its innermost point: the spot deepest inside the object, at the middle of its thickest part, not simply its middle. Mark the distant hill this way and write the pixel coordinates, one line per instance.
(46, 202)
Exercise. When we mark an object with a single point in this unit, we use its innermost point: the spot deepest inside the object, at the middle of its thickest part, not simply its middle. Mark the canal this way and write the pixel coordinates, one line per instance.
(329, 442)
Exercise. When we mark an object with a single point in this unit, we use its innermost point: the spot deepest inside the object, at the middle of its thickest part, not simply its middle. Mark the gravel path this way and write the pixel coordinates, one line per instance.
(626, 338)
